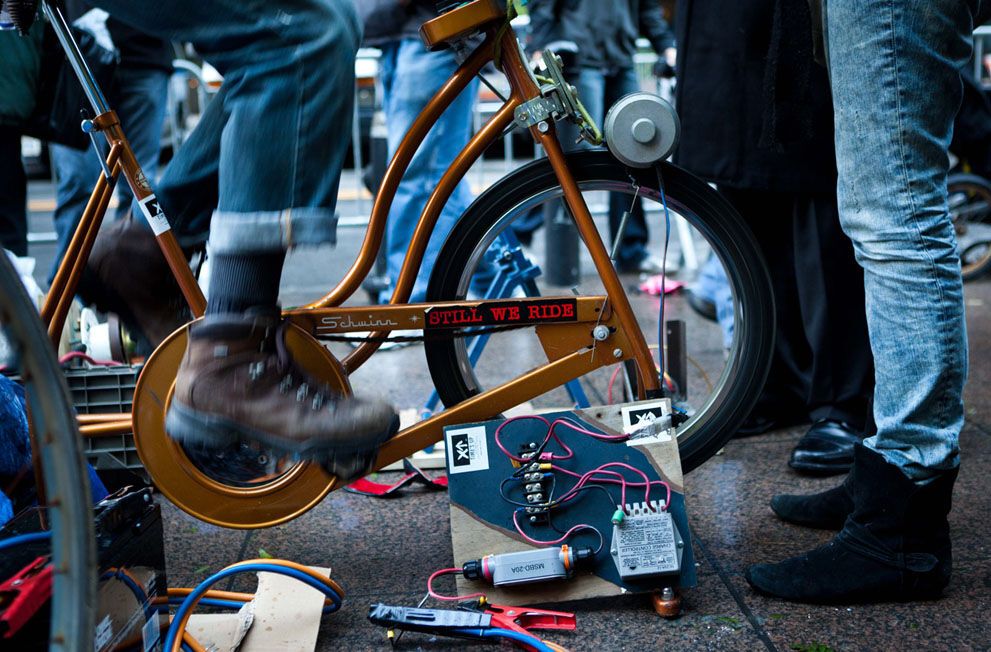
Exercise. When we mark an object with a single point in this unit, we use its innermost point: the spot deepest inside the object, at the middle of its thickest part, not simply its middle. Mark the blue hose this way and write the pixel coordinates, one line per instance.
(526, 639)
(21, 539)
(204, 586)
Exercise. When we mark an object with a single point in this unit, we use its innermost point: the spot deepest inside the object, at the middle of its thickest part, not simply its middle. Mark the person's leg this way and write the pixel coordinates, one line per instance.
(415, 74)
(140, 100)
(13, 194)
(562, 243)
(77, 171)
(894, 69)
(892, 200)
(830, 288)
(781, 402)
(632, 254)
(289, 90)
(148, 299)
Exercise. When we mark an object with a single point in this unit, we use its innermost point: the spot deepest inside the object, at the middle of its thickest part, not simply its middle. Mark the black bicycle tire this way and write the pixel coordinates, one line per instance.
(70, 512)
(725, 230)
(959, 183)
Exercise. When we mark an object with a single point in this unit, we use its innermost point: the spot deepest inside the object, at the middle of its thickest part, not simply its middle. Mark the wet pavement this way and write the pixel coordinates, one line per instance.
(383, 550)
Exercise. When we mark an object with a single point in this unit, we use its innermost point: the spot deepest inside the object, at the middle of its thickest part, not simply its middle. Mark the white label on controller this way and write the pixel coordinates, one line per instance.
(154, 214)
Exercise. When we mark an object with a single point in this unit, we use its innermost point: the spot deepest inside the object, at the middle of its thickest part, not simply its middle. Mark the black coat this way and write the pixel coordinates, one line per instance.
(605, 31)
(392, 20)
(137, 50)
(724, 105)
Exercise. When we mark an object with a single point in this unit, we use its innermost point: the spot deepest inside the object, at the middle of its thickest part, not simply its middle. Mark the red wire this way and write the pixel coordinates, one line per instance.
(437, 596)
(550, 433)
(624, 481)
(612, 380)
(514, 419)
(79, 355)
(591, 433)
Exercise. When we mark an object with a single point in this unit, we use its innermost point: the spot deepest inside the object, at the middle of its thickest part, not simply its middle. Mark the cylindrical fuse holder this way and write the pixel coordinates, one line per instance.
(528, 566)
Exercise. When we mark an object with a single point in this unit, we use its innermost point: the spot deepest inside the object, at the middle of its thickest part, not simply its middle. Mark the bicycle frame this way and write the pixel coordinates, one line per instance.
(571, 349)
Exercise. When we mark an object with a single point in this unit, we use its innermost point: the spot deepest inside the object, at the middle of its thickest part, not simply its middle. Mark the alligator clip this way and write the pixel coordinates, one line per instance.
(24, 594)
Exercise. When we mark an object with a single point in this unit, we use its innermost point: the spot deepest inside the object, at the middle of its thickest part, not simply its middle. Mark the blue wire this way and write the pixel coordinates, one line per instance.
(526, 639)
(232, 604)
(136, 589)
(204, 586)
(21, 539)
(664, 264)
(212, 602)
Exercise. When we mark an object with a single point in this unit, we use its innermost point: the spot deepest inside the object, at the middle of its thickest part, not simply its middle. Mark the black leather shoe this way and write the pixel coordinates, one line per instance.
(826, 449)
(702, 306)
(756, 424)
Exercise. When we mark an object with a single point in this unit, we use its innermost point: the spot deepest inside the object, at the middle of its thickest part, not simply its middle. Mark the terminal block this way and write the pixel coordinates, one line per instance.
(536, 486)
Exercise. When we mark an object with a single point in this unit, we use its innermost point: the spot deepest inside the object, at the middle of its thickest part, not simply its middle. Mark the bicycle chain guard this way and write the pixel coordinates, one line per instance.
(261, 502)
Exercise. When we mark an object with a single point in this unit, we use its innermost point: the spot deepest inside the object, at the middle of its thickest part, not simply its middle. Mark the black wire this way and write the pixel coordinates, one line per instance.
(612, 503)
(544, 505)
(664, 263)
(491, 87)
(535, 458)
(588, 528)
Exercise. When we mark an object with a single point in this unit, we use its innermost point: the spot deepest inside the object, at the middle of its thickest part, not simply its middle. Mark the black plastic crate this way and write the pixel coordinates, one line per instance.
(104, 390)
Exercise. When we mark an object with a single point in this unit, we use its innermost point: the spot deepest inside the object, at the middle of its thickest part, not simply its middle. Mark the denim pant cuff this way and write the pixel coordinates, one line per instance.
(264, 231)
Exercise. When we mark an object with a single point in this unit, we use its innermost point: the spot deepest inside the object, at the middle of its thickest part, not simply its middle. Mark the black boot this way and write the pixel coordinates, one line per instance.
(827, 510)
(894, 546)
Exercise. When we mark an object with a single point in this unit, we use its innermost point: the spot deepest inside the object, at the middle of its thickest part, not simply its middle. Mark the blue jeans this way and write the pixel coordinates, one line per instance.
(261, 170)
(410, 76)
(713, 285)
(139, 98)
(598, 91)
(894, 68)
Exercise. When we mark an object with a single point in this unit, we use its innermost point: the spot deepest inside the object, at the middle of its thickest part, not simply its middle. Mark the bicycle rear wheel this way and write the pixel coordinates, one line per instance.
(729, 364)
(69, 513)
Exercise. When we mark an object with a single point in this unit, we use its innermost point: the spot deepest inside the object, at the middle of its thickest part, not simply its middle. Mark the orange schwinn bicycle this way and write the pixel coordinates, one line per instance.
(563, 346)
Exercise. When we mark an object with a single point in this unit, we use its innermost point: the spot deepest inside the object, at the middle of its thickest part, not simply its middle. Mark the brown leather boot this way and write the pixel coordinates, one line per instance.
(237, 382)
(127, 274)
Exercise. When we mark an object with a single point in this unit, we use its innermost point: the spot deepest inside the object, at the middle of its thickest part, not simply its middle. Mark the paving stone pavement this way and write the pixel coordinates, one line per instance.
(382, 550)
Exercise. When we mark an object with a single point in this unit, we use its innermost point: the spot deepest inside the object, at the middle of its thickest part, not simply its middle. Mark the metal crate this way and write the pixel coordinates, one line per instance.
(103, 390)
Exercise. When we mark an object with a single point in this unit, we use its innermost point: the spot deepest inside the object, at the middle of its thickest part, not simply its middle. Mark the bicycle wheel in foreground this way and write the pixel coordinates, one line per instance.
(715, 371)
(70, 514)
(970, 209)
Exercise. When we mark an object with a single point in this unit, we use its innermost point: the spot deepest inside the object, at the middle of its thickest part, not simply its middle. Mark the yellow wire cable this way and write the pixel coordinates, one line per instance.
(193, 644)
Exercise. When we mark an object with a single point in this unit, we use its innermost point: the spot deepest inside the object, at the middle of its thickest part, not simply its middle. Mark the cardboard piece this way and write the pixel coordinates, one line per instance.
(221, 632)
(287, 615)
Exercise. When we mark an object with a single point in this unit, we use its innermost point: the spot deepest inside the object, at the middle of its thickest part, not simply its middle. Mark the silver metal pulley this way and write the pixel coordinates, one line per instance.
(641, 129)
